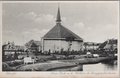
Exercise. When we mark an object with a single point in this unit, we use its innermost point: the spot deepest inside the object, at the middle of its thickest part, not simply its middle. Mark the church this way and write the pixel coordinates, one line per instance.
(59, 38)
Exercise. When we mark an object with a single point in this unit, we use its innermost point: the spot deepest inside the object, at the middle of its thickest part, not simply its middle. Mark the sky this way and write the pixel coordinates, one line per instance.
(92, 21)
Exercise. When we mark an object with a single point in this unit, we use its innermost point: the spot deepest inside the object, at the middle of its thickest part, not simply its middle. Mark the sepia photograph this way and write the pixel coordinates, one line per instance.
(60, 36)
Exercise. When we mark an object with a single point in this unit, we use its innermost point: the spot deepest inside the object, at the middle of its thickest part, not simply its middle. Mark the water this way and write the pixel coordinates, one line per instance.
(103, 66)
(111, 66)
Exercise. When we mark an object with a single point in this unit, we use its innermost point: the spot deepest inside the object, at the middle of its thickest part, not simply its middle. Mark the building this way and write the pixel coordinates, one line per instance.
(33, 46)
(91, 45)
(110, 44)
(59, 38)
(11, 48)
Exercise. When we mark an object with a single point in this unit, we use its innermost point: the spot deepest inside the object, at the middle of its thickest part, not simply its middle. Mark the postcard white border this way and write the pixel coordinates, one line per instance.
(57, 74)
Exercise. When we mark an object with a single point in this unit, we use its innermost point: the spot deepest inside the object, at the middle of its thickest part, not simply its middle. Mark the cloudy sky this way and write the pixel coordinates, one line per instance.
(92, 21)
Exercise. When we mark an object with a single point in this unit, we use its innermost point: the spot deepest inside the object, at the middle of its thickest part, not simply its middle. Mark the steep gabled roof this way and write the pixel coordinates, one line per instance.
(103, 45)
(38, 43)
(108, 42)
(33, 43)
(60, 32)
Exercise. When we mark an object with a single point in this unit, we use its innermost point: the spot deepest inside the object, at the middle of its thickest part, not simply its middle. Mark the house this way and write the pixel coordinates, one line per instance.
(60, 38)
(109, 45)
(11, 48)
(91, 45)
(33, 46)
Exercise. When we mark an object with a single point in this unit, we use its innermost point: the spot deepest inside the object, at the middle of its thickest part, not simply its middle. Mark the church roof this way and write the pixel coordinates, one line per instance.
(60, 32)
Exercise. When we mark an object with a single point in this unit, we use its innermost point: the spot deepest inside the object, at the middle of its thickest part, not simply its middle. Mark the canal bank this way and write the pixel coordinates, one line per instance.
(62, 65)
(47, 66)
(90, 60)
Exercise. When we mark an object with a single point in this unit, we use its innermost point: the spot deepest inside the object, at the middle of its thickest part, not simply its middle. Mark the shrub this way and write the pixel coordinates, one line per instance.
(6, 67)
(14, 63)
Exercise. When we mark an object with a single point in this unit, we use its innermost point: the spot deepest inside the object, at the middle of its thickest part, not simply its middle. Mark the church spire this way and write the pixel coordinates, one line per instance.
(58, 19)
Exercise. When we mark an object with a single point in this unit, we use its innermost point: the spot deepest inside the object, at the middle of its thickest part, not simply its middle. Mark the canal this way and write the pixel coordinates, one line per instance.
(109, 65)
(102, 66)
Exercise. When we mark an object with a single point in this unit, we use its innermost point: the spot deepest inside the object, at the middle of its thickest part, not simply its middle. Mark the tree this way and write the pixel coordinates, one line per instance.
(85, 45)
(93, 44)
(15, 55)
(3, 52)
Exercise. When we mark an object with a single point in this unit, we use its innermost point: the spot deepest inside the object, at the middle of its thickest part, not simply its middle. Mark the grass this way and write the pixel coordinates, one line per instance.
(45, 66)
(46, 62)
